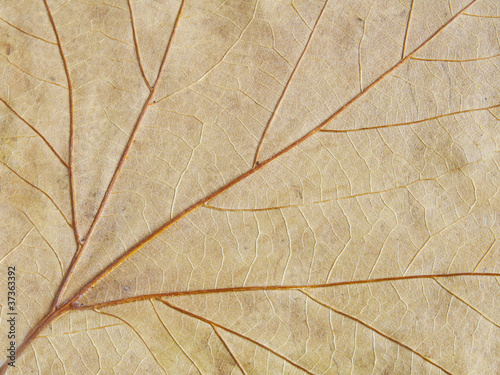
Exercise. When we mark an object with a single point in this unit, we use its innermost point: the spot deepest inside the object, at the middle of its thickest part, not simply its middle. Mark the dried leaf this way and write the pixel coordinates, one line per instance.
(251, 186)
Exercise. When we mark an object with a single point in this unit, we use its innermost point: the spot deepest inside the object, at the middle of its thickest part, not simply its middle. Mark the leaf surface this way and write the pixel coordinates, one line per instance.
(249, 187)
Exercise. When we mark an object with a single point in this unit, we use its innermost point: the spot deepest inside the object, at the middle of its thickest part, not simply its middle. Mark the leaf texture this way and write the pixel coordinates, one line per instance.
(251, 186)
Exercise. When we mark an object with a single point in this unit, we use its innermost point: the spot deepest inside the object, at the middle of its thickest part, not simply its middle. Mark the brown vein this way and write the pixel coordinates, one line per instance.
(376, 331)
(71, 124)
(274, 288)
(479, 15)
(342, 198)
(278, 104)
(213, 324)
(173, 338)
(228, 349)
(136, 43)
(201, 202)
(407, 29)
(138, 335)
(467, 304)
(457, 60)
(37, 133)
(410, 122)
(27, 33)
(40, 190)
(119, 167)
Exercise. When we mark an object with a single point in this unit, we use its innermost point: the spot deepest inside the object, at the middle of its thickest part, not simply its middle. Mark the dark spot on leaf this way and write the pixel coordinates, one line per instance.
(298, 191)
